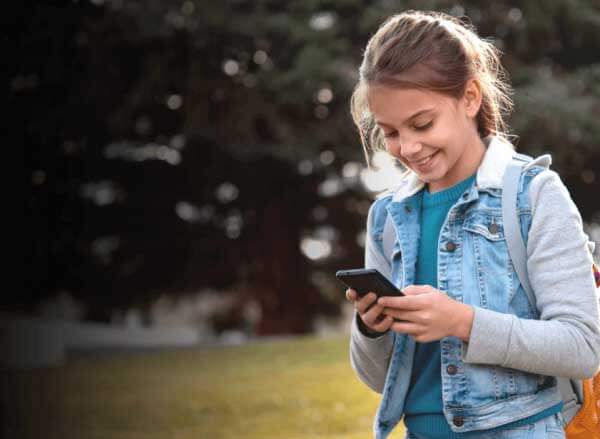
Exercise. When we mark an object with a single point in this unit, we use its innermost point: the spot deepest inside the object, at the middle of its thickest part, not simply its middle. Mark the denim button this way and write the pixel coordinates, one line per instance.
(458, 421)
(465, 195)
(451, 369)
(408, 209)
(450, 246)
(493, 228)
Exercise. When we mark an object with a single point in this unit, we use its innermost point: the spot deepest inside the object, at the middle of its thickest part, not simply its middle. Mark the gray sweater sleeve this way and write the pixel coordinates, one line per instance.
(370, 357)
(566, 340)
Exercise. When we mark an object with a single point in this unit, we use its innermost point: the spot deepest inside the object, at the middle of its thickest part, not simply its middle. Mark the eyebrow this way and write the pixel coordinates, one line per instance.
(418, 113)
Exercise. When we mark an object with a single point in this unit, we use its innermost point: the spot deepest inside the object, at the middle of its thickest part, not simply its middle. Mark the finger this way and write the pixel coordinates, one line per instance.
(363, 304)
(384, 324)
(397, 314)
(415, 290)
(406, 328)
(409, 303)
(373, 315)
(351, 295)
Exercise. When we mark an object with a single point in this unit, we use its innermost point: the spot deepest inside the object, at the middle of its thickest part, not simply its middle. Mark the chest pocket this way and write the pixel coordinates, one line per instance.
(487, 268)
(487, 224)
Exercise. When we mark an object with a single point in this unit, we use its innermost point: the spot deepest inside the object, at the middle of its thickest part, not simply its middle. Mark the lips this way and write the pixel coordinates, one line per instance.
(423, 161)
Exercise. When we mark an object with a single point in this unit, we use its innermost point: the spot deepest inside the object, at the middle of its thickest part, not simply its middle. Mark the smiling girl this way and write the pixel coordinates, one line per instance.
(464, 354)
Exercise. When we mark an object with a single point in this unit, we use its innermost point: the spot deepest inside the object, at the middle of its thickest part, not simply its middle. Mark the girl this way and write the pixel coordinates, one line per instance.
(464, 354)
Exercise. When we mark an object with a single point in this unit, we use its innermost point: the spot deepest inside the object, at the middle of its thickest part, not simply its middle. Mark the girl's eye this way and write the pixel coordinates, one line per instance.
(389, 135)
(423, 127)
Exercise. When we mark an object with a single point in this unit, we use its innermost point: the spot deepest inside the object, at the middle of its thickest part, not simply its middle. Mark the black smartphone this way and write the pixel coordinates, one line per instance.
(363, 280)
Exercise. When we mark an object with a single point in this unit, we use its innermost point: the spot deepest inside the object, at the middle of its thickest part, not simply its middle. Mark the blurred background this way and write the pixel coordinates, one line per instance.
(193, 179)
(194, 164)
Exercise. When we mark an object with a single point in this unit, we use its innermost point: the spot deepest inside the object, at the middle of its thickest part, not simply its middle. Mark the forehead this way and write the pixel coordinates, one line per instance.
(396, 105)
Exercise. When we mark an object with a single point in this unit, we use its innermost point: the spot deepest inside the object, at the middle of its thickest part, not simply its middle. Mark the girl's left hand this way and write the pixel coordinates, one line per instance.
(428, 314)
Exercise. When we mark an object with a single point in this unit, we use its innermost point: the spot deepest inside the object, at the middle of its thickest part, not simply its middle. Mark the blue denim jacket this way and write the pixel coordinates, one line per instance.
(473, 268)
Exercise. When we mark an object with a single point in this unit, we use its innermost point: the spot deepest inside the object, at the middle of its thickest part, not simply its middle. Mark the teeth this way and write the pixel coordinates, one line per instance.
(425, 160)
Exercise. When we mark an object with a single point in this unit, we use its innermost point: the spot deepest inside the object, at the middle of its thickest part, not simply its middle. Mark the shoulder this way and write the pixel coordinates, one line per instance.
(546, 186)
(536, 173)
(551, 205)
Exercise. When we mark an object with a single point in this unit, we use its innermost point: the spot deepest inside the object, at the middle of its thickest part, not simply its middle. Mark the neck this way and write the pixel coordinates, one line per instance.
(473, 156)
(467, 164)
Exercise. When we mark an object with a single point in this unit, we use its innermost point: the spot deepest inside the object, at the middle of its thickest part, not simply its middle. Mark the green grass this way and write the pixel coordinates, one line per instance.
(303, 388)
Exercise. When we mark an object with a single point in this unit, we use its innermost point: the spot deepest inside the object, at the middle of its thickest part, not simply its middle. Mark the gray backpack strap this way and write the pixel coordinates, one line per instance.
(571, 390)
(389, 238)
(512, 232)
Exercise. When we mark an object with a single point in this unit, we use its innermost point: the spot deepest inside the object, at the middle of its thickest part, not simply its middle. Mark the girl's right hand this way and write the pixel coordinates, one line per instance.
(370, 312)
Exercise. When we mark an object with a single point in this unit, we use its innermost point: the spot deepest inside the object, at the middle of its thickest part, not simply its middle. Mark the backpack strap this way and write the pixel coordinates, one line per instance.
(510, 219)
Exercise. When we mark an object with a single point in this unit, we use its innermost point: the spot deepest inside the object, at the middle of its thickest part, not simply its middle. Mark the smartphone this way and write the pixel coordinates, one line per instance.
(363, 280)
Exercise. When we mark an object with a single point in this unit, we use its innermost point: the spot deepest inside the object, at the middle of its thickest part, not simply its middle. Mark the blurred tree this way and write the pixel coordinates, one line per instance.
(171, 144)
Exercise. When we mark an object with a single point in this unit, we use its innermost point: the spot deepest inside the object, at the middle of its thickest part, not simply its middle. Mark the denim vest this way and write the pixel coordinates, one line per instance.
(474, 268)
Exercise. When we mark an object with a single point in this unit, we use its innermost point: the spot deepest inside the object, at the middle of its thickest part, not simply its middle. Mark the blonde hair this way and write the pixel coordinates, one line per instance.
(432, 51)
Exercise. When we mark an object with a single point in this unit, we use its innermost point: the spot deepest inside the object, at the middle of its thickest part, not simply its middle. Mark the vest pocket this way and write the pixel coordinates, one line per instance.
(487, 224)
(487, 261)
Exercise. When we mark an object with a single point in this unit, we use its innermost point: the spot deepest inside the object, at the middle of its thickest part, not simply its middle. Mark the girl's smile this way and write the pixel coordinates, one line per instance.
(423, 165)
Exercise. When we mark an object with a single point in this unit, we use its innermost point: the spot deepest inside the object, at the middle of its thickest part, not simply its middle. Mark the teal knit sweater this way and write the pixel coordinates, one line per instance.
(423, 407)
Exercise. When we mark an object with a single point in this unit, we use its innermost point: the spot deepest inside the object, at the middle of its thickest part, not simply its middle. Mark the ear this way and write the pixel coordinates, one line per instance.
(472, 97)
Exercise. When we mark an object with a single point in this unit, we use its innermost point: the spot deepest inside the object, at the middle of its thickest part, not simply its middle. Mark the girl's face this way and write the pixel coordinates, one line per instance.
(433, 134)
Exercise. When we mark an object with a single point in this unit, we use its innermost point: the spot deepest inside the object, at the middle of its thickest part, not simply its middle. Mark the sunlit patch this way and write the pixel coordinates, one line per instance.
(233, 224)
(325, 95)
(260, 57)
(322, 21)
(177, 141)
(327, 157)
(315, 249)
(102, 193)
(305, 167)
(326, 232)
(383, 175)
(231, 67)
(515, 15)
(361, 238)
(174, 102)
(187, 212)
(331, 186)
(351, 170)
(151, 151)
(227, 192)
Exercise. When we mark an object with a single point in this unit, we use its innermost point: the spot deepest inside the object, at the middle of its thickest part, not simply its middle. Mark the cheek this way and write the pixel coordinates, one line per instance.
(446, 139)
(393, 148)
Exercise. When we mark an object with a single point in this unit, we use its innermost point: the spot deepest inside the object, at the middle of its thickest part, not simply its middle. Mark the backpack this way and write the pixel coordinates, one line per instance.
(581, 398)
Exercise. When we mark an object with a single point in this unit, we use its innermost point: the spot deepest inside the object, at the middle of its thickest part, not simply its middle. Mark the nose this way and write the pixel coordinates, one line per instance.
(410, 148)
